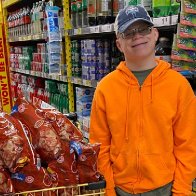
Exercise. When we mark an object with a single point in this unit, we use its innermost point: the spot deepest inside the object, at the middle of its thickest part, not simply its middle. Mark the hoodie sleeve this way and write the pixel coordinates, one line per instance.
(99, 132)
(185, 142)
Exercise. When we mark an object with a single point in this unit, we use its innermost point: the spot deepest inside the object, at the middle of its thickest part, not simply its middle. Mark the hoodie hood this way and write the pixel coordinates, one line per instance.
(161, 68)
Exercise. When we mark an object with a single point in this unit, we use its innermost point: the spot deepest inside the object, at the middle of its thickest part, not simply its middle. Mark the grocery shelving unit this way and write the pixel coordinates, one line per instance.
(68, 34)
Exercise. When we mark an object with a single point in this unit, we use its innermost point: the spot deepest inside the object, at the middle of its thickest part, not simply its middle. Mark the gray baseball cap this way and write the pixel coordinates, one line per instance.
(129, 15)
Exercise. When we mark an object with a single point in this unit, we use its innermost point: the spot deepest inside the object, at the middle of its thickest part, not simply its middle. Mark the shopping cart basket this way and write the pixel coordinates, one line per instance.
(89, 189)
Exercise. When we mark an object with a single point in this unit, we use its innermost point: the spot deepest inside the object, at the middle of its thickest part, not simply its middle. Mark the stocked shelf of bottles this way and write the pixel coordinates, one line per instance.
(40, 74)
(41, 36)
(80, 81)
(8, 3)
(74, 80)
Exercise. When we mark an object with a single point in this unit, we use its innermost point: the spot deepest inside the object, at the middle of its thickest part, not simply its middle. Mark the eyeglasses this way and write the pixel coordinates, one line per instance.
(131, 33)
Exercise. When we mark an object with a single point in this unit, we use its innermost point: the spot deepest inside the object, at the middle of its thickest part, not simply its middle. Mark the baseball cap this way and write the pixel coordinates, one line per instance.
(129, 15)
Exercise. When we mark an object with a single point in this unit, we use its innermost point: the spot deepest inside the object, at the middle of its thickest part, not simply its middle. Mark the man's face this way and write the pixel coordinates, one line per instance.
(138, 41)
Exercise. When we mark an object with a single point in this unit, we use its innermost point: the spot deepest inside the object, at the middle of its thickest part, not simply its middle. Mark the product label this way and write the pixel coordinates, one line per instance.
(4, 84)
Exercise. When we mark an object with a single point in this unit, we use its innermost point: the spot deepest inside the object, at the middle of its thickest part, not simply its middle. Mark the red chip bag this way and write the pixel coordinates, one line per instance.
(31, 178)
(6, 186)
(63, 126)
(15, 148)
(87, 161)
(44, 138)
(63, 171)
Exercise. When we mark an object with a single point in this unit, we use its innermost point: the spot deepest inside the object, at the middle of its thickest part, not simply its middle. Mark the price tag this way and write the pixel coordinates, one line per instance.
(36, 37)
(87, 83)
(95, 29)
(63, 78)
(29, 37)
(20, 39)
(174, 19)
(33, 73)
(162, 21)
(107, 28)
(94, 83)
(75, 32)
(79, 31)
(77, 80)
(57, 77)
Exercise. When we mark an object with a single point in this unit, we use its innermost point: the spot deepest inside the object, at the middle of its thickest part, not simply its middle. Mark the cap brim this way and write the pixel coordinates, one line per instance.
(129, 23)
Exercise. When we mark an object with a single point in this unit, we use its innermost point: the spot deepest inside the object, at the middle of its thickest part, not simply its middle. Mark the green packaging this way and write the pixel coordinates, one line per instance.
(160, 8)
(187, 31)
(187, 43)
(175, 7)
(189, 6)
(132, 2)
(188, 19)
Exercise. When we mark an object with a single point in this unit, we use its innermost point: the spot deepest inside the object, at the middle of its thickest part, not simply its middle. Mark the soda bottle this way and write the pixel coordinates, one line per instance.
(91, 12)
(73, 13)
(115, 8)
(79, 13)
(104, 12)
(84, 13)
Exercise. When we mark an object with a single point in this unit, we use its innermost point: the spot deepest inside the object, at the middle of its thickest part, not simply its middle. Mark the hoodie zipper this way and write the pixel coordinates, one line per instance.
(140, 134)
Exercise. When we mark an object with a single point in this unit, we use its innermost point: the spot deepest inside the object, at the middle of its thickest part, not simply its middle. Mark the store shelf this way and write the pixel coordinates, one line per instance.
(161, 23)
(8, 3)
(41, 36)
(40, 74)
(91, 30)
(89, 83)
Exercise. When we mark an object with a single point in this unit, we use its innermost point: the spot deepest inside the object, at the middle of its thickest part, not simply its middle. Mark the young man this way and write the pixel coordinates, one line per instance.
(144, 116)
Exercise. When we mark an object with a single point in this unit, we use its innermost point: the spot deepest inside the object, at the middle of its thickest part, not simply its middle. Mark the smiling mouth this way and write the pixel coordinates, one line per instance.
(138, 44)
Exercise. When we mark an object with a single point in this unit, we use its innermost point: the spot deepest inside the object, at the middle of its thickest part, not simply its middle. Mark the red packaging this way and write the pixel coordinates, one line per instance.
(63, 171)
(6, 186)
(15, 148)
(63, 126)
(44, 138)
(87, 161)
(31, 178)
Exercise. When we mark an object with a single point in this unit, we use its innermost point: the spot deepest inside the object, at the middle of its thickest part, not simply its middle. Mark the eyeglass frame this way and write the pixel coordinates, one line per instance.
(137, 31)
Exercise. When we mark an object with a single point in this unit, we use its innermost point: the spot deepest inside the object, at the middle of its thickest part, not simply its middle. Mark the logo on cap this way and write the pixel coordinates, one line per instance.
(132, 10)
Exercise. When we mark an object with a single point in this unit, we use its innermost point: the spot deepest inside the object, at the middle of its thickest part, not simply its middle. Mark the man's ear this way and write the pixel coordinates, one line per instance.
(118, 44)
(156, 34)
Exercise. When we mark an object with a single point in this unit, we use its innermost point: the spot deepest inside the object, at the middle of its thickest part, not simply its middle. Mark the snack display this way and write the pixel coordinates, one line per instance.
(40, 149)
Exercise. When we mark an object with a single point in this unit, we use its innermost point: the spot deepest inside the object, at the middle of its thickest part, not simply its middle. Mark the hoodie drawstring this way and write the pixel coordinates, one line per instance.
(152, 89)
(127, 114)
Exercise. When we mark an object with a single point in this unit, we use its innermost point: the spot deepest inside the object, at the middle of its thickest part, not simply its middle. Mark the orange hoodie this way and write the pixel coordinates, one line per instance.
(148, 133)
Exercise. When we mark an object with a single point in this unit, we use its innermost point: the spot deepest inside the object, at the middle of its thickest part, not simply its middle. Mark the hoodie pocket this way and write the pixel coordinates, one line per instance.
(153, 163)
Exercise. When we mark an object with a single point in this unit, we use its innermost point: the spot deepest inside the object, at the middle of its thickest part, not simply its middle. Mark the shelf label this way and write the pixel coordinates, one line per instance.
(79, 31)
(95, 29)
(162, 21)
(87, 83)
(76, 80)
(5, 99)
(174, 19)
(107, 28)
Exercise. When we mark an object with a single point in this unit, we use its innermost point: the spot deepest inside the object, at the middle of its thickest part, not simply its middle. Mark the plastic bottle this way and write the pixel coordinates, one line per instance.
(92, 12)
(79, 13)
(73, 13)
(115, 7)
(84, 13)
(104, 12)
(121, 4)
(163, 49)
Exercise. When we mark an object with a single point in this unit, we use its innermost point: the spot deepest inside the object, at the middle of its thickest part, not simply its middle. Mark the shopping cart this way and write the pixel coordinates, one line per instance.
(88, 189)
